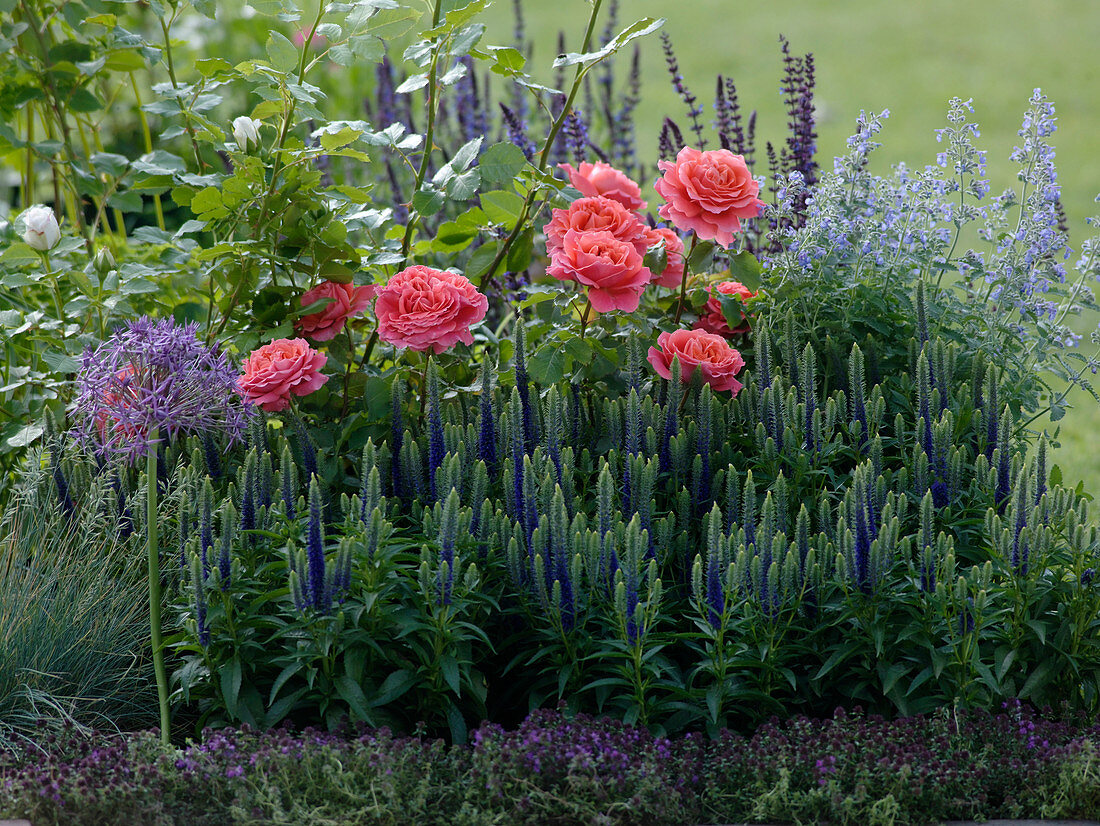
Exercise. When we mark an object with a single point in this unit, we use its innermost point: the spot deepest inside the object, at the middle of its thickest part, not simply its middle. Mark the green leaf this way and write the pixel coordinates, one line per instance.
(481, 260)
(501, 207)
(352, 694)
(449, 666)
(395, 685)
(548, 364)
(230, 676)
(744, 267)
(281, 52)
(428, 201)
(26, 435)
(700, 255)
(81, 100)
(501, 163)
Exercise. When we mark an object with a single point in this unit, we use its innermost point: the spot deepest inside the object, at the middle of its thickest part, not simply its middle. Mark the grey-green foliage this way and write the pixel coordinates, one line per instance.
(73, 612)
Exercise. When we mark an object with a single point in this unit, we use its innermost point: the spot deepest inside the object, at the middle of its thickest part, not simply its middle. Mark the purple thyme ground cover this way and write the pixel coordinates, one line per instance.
(558, 770)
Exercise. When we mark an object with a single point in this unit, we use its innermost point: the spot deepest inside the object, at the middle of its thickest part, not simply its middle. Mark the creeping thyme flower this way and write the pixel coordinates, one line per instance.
(155, 376)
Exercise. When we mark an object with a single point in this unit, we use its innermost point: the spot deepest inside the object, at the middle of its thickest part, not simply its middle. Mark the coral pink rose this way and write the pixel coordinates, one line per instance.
(422, 308)
(602, 179)
(712, 354)
(592, 215)
(347, 300)
(708, 192)
(274, 371)
(713, 319)
(612, 269)
(673, 272)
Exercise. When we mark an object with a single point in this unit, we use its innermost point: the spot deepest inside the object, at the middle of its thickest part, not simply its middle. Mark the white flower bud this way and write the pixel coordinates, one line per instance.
(104, 261)
(246, 132)
(41, 231)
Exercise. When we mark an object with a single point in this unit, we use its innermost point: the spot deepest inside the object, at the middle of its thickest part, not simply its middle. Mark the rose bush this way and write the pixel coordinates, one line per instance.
(610, 269)
(347, 300)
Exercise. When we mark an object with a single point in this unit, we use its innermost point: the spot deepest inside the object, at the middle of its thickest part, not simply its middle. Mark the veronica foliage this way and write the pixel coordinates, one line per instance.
(666, 556)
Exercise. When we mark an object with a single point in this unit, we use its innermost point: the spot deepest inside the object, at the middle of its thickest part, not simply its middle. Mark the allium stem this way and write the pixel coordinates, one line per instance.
(154, 584)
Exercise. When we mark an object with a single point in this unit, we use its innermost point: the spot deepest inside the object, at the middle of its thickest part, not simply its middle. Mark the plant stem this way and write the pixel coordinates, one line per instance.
(154, 584)
(429, 134)
(584, 317)
(684, 277)
(148, 137)
(164, 27)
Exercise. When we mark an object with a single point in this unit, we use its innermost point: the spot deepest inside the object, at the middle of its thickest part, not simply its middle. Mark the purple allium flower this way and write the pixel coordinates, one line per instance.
(156, 376)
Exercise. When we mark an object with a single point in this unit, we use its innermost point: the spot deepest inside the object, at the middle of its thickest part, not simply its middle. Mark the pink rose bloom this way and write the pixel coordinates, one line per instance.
(602, 179)
(274, 371)
(673, 272)
(347, 300)
(423, 308)
(713, 319)
(697, 349)
(611, 269)
(593, 215)
(708, 192)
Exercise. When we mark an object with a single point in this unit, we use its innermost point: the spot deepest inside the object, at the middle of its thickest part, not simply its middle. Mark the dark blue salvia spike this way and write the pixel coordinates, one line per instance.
(623, 141)
(732, 496)
(206, 526)
(198, 578)
(1021, 507)
(248, 487)
(288, 482)
(1004, 463)
(966, 617)
(857, 391)
(435, 428)
(517, 131)
(487, 435)
(225, 544)
(184, 531)
(705, 430)
(716, 598)
(672, 416)
(635, 362)
(264, 482)
(520, 363)
(862, 552)
(574, 415)
(211, 455)
(802, 536)
(682, 90)
(448, 538)
(1041, 469)
(748, 510)
(992, 417)
(518, 453)
(559, 555)
(530, 497)
(397, 436)
(315, 551)
(670, 140)
(926, 544)
(309, 451)
(257, 433)
(575, 132)
(808, 387)
(924, 393)
(763, 360)
(553, 426)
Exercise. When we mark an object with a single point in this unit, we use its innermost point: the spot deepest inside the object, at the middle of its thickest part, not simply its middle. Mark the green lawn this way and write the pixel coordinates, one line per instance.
(910, 58)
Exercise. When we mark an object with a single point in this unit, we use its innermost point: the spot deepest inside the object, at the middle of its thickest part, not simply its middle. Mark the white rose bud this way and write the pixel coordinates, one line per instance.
(104, 261)
(246, 132)
(41, 230)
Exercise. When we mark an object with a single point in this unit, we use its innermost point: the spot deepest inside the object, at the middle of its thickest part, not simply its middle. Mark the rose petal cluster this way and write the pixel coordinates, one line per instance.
(326, 323)
(713, 320)
(709, 193)
(276, 371)
(592, 179)
(246, 132)
(673, 272)
(612, 269)
(698, 350)
(41, 231)
(422, 308)
(595, 214)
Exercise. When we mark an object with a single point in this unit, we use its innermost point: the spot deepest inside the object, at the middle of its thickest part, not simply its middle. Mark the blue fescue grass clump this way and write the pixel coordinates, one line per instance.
(849, 768)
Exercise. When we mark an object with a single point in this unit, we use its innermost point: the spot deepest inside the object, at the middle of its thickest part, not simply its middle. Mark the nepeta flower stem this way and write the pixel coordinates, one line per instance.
(154, 583)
